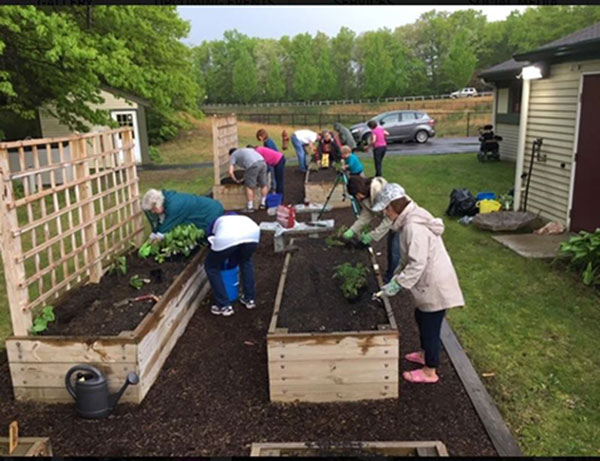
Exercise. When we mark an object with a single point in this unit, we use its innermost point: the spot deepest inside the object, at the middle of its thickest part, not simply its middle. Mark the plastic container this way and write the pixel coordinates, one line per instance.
(231, 282)
(485, 196)
(274, 200)
(488, 206)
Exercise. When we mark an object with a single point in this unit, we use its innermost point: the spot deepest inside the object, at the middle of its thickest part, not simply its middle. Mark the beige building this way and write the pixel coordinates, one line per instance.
(552, 93)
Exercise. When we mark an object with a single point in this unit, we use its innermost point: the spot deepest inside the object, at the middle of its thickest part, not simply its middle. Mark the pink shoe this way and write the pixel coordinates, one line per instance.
(418, 376)
(415, 357)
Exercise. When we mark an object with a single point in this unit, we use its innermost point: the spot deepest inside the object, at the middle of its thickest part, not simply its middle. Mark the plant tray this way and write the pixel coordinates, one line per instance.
(38, 364)
(332, 366)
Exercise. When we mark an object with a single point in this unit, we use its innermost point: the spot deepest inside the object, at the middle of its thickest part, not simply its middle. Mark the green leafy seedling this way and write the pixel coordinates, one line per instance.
(336, 239)
(136, 282)
(40, 323)
(181, 240)
(353, 278)
(118, 264)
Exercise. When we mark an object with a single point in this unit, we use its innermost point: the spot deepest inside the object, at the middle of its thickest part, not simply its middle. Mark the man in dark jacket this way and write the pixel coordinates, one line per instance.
(167, 209)
(345, 135)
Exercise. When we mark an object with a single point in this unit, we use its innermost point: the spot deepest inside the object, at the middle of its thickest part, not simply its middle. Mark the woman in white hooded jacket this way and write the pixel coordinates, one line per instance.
(427, 273)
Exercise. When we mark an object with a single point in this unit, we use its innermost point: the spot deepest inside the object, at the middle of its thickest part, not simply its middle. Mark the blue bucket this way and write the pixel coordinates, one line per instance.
(273, 200)
(486, 196)
(230, 280)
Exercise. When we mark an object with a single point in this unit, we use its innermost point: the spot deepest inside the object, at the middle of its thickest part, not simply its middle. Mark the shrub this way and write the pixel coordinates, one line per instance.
(583, 251)
(154, 154)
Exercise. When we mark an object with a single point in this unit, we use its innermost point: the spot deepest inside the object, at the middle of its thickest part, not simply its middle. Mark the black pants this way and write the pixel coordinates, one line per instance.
(430, 325)
(378, 153)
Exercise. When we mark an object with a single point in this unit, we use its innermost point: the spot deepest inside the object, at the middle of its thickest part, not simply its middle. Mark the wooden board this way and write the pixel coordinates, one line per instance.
(28, 446)
(333, 393)
(225, 136)
(412, 448)
(233, 196)
(318, 192)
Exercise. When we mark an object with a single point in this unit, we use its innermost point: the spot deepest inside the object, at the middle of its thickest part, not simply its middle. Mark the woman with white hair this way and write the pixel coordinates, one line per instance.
(167, 209)
(427, 273)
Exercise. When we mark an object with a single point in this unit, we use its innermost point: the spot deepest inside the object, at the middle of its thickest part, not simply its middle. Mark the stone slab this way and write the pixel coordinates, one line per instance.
(533, 245)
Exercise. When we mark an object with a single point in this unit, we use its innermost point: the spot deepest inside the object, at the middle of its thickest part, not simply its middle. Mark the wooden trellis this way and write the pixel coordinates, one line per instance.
(68, 206)
(225, 136)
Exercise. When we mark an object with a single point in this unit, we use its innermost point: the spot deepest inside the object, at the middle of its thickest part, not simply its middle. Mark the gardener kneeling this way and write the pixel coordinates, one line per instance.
(235, 238)
(167, 209)
(428, 274)
(365, 191)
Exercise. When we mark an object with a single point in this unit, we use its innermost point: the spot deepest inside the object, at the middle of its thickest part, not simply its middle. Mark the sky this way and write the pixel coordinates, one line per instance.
(209, 22)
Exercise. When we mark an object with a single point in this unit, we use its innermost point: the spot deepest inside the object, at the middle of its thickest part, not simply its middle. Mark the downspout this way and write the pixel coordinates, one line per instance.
(521, 142)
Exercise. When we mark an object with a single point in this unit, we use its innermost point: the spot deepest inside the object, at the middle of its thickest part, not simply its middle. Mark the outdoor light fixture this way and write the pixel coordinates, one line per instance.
(534, 72)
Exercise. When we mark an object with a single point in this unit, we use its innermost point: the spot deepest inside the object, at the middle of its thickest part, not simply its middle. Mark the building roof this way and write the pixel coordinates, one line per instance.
(125, 95)
(579, 44)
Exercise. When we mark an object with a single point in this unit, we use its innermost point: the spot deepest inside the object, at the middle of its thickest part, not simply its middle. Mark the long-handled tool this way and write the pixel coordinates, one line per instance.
(126, 301)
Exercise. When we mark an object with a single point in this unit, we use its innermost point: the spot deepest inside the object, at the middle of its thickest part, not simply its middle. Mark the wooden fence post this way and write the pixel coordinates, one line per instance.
(468, 121)
(135, 188)
(14, 271)
(90, 232)
(215, 137)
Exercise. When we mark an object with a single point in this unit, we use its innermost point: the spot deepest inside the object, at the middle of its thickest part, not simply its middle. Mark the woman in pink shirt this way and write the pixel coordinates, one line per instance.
(276, 160)
(379, 144)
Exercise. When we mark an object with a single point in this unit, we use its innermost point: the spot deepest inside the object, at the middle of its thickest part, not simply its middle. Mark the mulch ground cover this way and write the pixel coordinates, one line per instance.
(312, 300)
(211, 397)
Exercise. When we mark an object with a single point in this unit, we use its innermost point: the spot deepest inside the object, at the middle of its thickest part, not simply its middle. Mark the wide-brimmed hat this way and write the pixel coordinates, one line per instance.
(389, 193)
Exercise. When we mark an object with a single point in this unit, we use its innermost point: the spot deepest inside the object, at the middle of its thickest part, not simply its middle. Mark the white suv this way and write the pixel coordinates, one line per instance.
(464, 93)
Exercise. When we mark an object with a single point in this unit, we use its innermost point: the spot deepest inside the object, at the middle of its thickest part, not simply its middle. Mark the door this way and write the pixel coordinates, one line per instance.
(391, 124)
(585, 208)
(129, 118)
(407, 125)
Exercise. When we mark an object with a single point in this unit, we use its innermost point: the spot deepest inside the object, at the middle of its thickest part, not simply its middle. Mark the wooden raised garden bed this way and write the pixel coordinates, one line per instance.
(56, 239)
(322, 348)
(319, 183)
(28, 446)
(419, 449)
(232, 196)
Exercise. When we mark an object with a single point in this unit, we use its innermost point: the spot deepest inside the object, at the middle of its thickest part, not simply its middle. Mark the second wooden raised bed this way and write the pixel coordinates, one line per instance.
(332, 366)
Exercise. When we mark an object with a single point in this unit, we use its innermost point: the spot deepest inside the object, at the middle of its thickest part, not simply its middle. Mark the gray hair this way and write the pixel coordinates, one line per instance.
(152, 198)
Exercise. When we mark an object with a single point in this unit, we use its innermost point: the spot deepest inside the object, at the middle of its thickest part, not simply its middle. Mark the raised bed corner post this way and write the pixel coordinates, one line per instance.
(216, 160)
(134, 192)
(14, 270)
(90, 233)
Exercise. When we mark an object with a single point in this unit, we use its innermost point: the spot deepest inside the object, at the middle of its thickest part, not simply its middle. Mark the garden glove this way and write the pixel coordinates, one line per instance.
(156, 236)
(366, 238)
(392, 288)
(348, 234)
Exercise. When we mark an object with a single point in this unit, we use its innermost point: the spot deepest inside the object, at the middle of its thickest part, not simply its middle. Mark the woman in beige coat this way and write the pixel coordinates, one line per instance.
(427, 273)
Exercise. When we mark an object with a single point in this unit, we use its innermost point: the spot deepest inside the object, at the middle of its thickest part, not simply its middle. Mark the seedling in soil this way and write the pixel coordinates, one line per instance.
(336, 239)
(137, 282)
(354, 278)
(40, 323)
(181, 240)
(119, 263)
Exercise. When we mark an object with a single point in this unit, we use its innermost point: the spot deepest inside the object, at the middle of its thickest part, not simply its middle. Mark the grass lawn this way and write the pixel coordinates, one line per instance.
(531, 324)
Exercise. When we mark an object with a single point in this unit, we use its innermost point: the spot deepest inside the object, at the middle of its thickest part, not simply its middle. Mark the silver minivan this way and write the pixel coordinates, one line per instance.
(402, 125)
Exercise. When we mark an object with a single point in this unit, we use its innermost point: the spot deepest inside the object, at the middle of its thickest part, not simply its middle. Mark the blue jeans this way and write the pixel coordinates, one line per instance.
(213, 264)
(430, 326)
(273, 179)
(393, 254)
(278, 176)
(300, 152)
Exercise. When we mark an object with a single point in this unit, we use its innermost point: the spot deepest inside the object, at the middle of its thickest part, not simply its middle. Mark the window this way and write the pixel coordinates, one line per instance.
(408, 116)
(125, 119)
(389, 119)
(508, 103)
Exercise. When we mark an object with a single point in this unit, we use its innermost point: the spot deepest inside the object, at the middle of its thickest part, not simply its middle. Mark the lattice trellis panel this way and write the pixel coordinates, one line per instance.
(225, 136)
(68, 206)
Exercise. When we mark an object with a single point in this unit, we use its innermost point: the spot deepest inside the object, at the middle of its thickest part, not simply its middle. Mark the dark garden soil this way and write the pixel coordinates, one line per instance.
(322, 175)
(239, 174)
(91, 310)
(212, 398)
(312, 300)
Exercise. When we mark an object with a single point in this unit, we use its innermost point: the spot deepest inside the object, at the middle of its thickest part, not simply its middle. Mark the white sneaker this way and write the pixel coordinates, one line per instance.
(250, 304)
(225, 311)
(214, 309)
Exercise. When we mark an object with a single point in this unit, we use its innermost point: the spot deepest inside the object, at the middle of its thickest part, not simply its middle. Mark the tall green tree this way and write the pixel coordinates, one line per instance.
(327, 75)
(377, 63)
(245, 81)
(306, 75)
(459, 64)
(344, 62)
